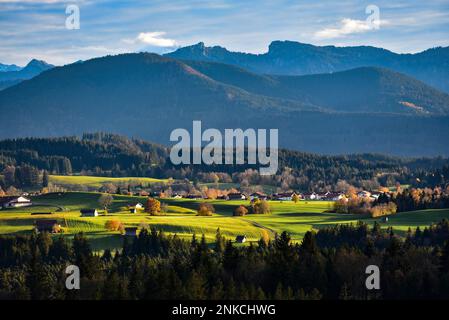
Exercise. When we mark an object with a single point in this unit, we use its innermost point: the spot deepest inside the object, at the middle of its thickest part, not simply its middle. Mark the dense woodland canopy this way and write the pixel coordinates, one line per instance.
(330, 264)
(25, 162)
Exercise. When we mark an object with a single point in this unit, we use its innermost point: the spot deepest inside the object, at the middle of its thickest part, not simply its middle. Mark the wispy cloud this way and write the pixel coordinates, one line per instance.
(155, 39)
(349, 26)
(36, 28)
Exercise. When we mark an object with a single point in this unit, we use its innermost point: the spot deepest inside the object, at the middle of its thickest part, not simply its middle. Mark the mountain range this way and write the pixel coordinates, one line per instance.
(12, 74)
(9, 67)
(294, 58)
(143, 95)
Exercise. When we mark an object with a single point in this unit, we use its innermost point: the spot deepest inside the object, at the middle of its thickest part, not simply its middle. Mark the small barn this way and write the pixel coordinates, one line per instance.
(14, 202)
(258, 195)
(50, 226)
(131, 231)
(237, 196)
(89, 212)
(134, 208)
(240, 239)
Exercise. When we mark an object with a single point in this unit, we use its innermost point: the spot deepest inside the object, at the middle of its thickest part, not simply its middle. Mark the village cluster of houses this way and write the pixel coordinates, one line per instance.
(288, 196)
(23, 201)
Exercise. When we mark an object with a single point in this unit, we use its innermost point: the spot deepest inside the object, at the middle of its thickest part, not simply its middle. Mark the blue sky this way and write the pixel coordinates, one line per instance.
(36, 28)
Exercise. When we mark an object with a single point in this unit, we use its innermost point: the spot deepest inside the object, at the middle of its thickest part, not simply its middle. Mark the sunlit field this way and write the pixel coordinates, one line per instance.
(180, 218)
(91, 181)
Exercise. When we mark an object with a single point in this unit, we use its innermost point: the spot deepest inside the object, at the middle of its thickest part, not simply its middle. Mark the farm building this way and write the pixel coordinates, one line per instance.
(193, 196)
(364, 194)
(134, 208)
(237, 196)
(14, 202)
(375, 195)
(310, 196)
(131, 231)
(258, 195)
(240, 239)
(286, 196)
(50, 226)
(332, 196)
(89, 213)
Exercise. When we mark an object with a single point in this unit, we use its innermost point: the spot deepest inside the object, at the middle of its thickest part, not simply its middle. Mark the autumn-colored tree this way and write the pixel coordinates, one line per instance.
(260, 207)
(205, 209)
(153, 206)
(240, 211)
(114, 225)
(352, 192)
(265, 236)
(212, 193)
(295, 198)
(383, 209)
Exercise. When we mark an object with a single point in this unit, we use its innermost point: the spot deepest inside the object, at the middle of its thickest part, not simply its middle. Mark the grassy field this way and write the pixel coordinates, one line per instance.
(181, 218)
(97, 182)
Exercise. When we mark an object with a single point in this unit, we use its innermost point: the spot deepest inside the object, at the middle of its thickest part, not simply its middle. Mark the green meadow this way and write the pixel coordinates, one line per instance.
(181, 219)
(97, 182)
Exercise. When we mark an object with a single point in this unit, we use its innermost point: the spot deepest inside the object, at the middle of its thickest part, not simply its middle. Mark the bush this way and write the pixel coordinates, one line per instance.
(240, 211)
(114, 225)
(205, 209)
(153, 206)
(383, 209)
(260, 207)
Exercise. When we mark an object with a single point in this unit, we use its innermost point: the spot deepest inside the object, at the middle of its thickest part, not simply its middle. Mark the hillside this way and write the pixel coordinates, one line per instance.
(147, 96)
(371, 89)
(294, 58)
(115, 156)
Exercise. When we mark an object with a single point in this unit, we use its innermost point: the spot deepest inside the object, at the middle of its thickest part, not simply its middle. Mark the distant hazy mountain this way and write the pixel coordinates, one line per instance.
(9, 67)
(294, 58)
(11, 77)
(147, 96)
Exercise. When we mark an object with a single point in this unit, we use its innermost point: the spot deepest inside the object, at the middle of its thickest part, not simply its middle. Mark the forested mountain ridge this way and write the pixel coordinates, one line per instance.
(364, 89)
(112, 155)
(147, 96)
(294, 58)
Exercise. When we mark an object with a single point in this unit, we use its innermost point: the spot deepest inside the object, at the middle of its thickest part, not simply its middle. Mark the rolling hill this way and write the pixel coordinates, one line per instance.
(372, 89)
(147, 96)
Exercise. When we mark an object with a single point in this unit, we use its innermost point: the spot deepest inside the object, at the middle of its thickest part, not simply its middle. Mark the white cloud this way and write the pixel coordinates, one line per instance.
(349, 26)
(155, 39)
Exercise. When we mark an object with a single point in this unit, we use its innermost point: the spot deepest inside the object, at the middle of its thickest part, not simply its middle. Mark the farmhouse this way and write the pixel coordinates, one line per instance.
(375, 195)
(258, 195)
(364, 194)
(14, 202)
(310, 196)
(134, 208)
(240, 239)
(131, 231)
(50, 226)
(89, 213)
(333, 196)
(236, 196)
(192, 196)
(286, 196)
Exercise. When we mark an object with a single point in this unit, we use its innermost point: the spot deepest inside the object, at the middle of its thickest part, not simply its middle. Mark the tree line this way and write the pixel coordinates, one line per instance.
(23, 163)
(328, 264)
